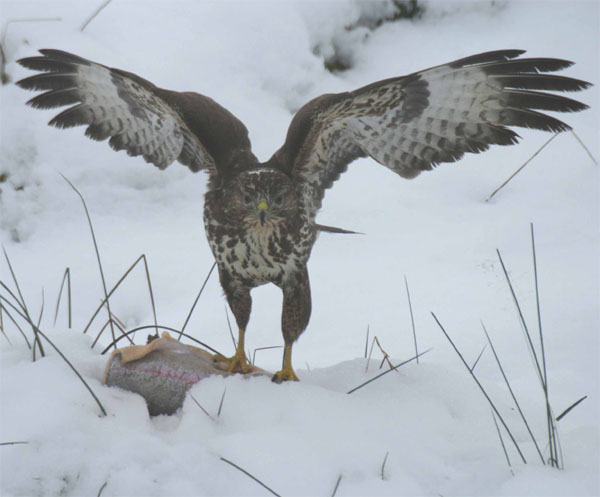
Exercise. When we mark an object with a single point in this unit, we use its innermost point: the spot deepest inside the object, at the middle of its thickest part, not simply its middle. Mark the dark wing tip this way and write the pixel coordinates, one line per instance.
(53, 61)
(550, 82)
(493, 56)
(61, 55)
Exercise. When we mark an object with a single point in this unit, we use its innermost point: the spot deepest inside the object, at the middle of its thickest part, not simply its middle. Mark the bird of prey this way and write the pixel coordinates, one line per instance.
(260, 217)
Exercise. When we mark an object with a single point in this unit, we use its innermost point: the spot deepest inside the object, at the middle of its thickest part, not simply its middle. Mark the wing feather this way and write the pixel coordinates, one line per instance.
(413, 123)
(135, 115)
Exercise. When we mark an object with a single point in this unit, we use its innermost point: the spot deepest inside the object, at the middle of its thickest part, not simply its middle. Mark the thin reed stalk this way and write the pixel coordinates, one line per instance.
(230, 330)
(481, 388)
(39, 332)
(146, 327)
(568, 409)
(512, 394)
(264, 348)
(5, 310)
(250, 475)
(502, 443)
(412, 319)
(202, 408)
(521, 168)
(221, 403)
(187, 319)
(337, 484)
(394, 368)
(549, 417)
(89, 219)
(67, 278)
(522, 320)
(106, 298)
(36, 340)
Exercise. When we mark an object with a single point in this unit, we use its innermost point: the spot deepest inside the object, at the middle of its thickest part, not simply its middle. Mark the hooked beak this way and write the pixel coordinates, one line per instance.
(262, 207)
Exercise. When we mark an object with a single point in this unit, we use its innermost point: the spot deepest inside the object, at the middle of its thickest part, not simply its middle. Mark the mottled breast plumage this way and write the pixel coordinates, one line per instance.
(258, 228)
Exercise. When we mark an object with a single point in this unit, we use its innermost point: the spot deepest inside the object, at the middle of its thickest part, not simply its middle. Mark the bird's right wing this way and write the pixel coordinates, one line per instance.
(413, 123)
(161, 125)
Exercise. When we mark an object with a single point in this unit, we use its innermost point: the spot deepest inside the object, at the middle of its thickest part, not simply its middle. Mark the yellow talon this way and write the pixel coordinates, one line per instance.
(238, 362)
(235, 364)
(286, 373)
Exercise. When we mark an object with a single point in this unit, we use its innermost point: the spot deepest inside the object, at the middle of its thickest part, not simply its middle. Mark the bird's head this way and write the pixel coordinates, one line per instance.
(262, 198)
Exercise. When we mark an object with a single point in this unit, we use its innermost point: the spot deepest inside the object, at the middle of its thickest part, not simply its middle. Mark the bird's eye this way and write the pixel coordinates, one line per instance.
(247, 198)
(278, 200)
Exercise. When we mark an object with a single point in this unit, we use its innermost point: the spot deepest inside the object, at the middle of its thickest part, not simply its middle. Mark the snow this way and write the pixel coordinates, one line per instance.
(263, 60)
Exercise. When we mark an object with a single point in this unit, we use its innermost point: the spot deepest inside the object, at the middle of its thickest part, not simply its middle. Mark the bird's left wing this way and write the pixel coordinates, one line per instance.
(161, 125)
(413, 123)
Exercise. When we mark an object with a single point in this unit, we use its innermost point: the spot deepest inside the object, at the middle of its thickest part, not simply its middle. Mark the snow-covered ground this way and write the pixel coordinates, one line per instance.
(263, 60)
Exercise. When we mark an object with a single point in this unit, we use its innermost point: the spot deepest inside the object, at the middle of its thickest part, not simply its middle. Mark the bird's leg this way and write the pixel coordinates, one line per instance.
(240, 302)
(294, 318)
(287, 372)
(238, 362)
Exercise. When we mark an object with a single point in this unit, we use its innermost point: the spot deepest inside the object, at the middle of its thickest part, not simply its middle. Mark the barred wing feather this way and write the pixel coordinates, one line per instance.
(413, 123)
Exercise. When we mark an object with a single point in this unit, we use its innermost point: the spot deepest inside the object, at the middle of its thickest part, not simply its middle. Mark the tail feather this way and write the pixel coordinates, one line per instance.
(333, 229)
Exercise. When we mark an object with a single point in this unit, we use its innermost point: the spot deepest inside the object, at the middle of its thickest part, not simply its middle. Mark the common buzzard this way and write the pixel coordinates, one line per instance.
(260, 217)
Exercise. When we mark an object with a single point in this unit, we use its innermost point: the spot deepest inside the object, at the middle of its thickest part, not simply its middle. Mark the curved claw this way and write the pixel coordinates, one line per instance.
(235, 364)
(286, 374)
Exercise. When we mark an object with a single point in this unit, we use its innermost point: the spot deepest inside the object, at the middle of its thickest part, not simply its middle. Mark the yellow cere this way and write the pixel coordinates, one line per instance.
(262, 206)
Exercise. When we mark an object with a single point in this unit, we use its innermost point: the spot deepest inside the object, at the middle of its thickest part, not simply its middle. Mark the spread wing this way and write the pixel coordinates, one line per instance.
(413, 123)
(161, 125)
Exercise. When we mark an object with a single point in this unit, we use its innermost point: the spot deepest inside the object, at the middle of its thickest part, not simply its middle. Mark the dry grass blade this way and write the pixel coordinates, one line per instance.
(96, 12)
(67, 278)
(412, 318)
(104, 301)
(87, 213)
(481, 388)
(472, 368)
(502, 443)
(100, 334)
(383, 465)
(39, 332)
(36, 340)
(119, 322)
(249, 475)
(39, 321)
(151, 326)
(197, 298)
(519, 170)
(2, 324)
(221, 403)
(522, 319)
(549, 417)
(264, 348)
(230, 330)
(386, 372)
(13, 443)
(3, 76)
(143, 256)
(5, 310)
(202, 408)
(102, 489)
(337, 484)
(584, 147)
(370, 353)
(572, 406)
(386, 356)
(119, 326)
(512, 394)
(367, 342)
